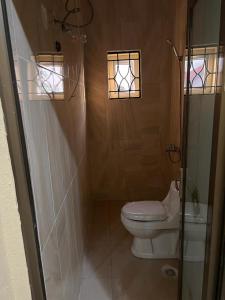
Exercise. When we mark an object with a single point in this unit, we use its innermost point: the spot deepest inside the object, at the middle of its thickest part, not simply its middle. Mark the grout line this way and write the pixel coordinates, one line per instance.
(75, 174)
(54, 209)
(56, 218)
(49, 165)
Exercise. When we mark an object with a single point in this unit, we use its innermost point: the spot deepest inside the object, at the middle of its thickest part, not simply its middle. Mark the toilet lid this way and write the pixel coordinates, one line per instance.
(144, 211)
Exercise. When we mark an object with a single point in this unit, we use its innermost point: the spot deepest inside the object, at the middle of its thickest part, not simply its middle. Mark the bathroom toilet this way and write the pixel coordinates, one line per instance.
(154, 225)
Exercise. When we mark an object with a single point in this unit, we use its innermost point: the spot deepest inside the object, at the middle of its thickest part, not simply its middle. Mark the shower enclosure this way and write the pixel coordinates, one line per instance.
(204, 65)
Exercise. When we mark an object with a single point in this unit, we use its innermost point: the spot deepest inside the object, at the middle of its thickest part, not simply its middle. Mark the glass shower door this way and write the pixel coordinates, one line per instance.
(204, 64)
(200, 131)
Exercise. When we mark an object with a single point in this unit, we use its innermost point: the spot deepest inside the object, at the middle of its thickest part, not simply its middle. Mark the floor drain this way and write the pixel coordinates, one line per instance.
(169, 272)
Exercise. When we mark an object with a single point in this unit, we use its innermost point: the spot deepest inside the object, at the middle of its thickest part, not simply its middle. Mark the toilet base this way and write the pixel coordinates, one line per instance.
(163, 246)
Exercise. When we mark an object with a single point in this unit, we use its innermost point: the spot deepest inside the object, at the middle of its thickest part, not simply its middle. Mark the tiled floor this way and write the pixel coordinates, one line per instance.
(111, 272)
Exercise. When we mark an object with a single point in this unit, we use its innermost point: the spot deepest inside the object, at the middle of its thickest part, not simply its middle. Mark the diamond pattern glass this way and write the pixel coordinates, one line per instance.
(205, 70)
(124, 74)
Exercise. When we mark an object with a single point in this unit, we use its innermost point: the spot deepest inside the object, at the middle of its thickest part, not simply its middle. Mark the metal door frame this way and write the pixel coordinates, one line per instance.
(191, 4)
(19, 159)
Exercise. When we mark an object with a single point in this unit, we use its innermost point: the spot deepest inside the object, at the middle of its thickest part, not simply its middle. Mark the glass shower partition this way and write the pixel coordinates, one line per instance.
(204, 65)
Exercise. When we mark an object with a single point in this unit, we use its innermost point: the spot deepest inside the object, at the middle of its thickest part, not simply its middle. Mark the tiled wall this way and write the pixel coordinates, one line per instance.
(127, 139)
(56, 142)
(206, 22)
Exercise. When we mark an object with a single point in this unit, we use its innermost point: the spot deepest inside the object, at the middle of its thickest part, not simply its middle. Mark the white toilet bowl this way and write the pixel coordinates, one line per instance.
(154, 225)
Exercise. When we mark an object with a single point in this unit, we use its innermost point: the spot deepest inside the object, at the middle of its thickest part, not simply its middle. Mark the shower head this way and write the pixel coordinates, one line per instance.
(179, 57)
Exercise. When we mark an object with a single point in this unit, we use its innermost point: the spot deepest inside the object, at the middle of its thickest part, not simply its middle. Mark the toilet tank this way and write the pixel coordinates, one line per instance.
(172, 201)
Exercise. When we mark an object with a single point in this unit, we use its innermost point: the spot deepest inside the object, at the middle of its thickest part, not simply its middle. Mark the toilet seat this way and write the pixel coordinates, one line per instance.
(145, 211)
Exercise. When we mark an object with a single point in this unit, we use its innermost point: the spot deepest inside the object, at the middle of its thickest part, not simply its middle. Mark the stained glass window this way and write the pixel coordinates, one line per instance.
(205, 70)
(46, 77)
(124, 80)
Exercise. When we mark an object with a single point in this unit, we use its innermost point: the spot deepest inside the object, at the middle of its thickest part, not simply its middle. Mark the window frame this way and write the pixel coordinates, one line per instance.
(139, 77)
(212, 80)
(35, 87)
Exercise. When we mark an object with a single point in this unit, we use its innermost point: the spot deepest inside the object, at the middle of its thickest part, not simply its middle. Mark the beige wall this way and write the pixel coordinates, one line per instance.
(55, 135)
(127, 138)
(14, 281)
